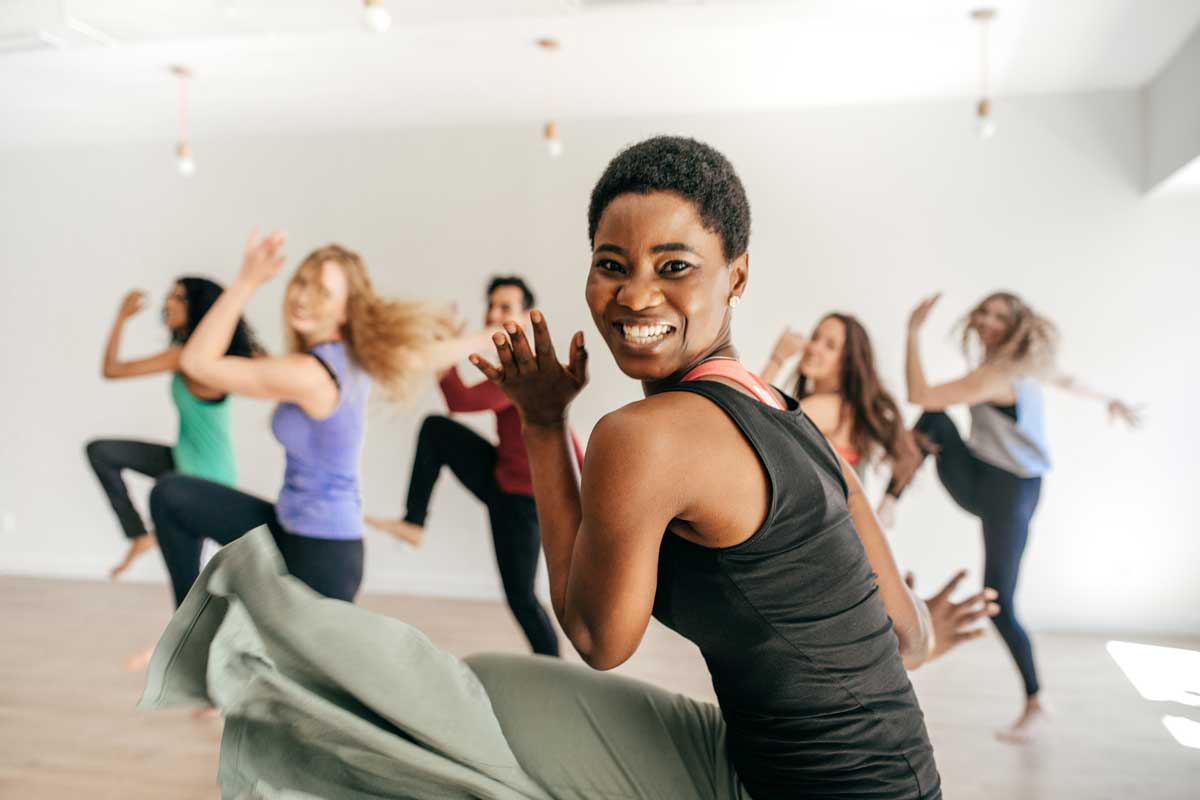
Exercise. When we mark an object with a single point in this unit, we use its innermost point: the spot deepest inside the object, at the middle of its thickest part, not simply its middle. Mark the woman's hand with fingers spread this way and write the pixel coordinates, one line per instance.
(263, 257)
(1130, 415)
(955, 623)
(921, 312)
(540, 387)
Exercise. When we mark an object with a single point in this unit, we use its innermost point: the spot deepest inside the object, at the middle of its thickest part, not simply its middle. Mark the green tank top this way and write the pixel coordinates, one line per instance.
(204, 448)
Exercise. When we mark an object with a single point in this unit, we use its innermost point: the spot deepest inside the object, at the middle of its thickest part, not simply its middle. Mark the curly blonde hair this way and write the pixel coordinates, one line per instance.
(1029, 347)
(391, 340)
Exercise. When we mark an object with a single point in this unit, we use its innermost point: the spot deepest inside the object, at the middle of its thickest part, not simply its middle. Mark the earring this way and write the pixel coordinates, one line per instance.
(733, 301)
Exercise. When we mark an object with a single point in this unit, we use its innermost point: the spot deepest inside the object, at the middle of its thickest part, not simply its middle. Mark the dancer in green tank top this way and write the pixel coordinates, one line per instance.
(203, 447)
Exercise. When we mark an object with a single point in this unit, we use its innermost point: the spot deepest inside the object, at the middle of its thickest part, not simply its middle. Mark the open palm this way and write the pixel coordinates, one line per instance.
(540, 387)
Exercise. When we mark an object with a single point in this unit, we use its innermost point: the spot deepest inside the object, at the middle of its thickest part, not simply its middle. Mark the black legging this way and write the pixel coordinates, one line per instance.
(188, 510)
(515, 532)
(1004, 504)
(109, 456)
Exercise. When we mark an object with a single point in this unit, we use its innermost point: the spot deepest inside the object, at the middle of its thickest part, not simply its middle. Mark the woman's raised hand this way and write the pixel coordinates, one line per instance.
(132, 303)
(540, 387)
(263, 257)
(921, 312)
(788, 344)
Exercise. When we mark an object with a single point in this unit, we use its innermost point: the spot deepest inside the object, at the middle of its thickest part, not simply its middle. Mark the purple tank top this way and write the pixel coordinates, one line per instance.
(320, 495)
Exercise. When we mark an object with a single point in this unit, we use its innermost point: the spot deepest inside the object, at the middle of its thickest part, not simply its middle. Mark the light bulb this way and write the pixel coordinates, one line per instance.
(985, 127)
(376, 16)
(554, 145)
(184, 160)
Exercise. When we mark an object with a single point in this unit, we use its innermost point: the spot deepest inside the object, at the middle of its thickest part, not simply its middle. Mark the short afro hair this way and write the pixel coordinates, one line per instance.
(512, 280)
(688, 168)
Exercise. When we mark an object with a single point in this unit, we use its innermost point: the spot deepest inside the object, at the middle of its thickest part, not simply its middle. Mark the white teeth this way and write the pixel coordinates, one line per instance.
(642, 334)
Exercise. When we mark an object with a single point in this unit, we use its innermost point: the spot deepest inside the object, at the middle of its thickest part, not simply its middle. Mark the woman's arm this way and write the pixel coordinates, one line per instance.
(452, 348)
(910, 615)
(601, 541)
(114, 367)
(984, 384)
(925, 629)
(787, 345)
(295, 378)
(1129, 414)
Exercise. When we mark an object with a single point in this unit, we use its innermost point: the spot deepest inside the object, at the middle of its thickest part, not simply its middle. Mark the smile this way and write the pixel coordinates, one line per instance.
(644, 332)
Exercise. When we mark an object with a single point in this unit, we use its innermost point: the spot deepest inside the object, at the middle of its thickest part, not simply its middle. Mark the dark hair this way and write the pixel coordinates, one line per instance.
(875, 419)
(512, 280)
(199, 296)
(688, 168)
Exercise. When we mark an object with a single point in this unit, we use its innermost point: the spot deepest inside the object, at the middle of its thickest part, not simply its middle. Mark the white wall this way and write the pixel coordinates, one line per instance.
(1171, 115)
(862, 209)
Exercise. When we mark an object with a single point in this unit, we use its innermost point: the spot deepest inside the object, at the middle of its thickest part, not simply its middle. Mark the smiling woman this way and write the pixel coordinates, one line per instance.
(713, 504)
(701, 503)
(656, 320)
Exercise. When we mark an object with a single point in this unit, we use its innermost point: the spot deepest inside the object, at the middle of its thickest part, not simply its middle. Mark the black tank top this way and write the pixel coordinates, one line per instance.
(804, 662)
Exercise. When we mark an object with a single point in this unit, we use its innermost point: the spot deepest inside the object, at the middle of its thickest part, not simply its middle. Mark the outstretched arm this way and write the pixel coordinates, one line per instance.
(925, 629)
(114, 367)
(1117, 409)
(984, 384)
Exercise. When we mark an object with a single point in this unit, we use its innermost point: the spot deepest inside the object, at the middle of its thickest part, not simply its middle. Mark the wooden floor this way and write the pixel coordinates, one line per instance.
(68, 728)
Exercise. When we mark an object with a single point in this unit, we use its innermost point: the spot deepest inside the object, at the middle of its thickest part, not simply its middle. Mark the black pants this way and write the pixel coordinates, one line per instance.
(188, 510)
(109, 456)
(1004, 504)
(515, 532)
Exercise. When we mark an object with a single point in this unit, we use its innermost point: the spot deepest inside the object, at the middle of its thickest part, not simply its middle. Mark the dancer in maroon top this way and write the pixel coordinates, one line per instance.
(496, 474)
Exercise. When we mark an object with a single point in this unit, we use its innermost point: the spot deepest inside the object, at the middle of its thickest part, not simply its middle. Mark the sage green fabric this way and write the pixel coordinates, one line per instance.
(324, 699)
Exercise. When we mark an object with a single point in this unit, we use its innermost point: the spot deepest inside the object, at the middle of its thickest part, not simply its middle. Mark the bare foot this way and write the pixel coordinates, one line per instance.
(139, 660)
(137, 546)
(404, 531)
(206, 713)
(1035, 717)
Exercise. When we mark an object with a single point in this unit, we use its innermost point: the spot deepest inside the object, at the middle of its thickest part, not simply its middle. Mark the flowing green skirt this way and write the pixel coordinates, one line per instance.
(324, 699)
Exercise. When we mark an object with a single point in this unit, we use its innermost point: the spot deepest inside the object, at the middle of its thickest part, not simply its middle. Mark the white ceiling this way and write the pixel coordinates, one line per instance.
(96, 69)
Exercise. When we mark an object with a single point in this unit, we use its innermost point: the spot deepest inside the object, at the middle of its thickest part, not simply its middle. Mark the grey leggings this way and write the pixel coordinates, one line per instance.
(329, 699)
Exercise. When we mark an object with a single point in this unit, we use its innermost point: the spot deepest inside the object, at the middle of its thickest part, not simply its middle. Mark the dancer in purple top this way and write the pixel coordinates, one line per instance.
(341, 336)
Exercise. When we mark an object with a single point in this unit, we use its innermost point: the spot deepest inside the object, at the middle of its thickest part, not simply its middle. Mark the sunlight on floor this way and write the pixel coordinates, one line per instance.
(1164, 674)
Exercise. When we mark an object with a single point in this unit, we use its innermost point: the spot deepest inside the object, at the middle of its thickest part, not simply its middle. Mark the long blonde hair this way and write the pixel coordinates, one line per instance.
(1029, 347)
(391, 340)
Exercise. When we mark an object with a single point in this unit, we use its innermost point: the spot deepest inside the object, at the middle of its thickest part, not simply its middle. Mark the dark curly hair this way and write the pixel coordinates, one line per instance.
(688, 168)
(512, 280)
(200, 295)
